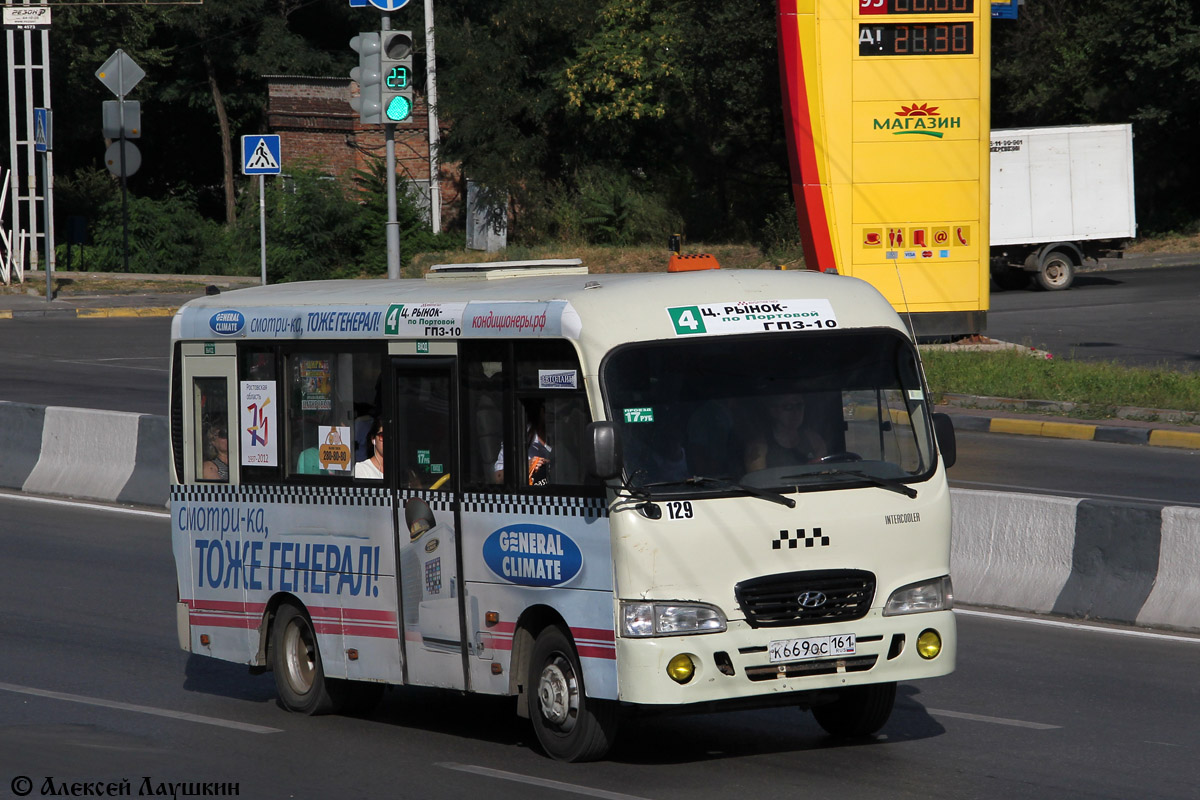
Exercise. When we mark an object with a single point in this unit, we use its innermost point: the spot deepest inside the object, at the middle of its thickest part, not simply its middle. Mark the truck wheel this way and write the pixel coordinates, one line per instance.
(569, 725)
(859, 711)
(1057, 273)
(296, 662)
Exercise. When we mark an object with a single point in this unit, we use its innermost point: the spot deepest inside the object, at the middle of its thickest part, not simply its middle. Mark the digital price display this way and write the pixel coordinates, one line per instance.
(916, 39)
(916, 6)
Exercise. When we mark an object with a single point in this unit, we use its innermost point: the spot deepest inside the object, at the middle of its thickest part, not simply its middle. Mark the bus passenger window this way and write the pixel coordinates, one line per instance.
(332, 400)
(210, 435)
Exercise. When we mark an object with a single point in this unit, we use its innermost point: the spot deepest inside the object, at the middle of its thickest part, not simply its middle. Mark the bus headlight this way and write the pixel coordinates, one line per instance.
(640, 620)
(916, 598)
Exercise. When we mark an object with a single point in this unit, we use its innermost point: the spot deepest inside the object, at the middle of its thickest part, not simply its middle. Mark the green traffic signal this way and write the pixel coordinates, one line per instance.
(399, 108)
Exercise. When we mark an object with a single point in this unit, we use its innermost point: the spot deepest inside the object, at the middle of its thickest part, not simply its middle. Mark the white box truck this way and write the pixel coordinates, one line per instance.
(1059, 196)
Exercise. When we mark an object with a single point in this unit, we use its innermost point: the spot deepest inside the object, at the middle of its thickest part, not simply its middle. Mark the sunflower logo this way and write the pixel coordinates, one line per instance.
(922, 110)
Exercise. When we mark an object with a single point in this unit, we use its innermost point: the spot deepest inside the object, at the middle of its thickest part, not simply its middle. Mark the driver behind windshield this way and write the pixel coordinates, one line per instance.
(787, 435)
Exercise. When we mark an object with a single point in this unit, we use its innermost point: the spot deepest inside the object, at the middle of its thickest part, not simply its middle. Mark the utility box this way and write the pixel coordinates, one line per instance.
(1059, 196)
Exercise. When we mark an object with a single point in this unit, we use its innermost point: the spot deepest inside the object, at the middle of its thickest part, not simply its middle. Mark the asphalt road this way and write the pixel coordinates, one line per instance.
(93, 688)
(118, 364)
(1144, 317)
(1124, 472)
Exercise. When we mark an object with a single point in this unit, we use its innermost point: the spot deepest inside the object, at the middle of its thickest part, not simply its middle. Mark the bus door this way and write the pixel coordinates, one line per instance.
(423, 443)
(207, 423)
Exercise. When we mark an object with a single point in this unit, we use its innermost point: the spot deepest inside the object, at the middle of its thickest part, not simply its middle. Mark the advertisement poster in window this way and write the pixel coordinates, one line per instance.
(316, 385)
(258, 433)
(334, 449)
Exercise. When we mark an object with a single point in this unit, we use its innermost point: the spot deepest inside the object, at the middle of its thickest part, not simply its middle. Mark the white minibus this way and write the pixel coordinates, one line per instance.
(599, 494)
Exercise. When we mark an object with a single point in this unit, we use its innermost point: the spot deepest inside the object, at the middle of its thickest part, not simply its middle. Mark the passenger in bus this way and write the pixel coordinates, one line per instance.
(537, 446)
(216, 468)
(372, 467)
(788, 439)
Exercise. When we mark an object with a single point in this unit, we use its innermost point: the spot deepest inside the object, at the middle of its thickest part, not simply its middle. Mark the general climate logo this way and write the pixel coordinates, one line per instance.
(227, 323)
(918, 119)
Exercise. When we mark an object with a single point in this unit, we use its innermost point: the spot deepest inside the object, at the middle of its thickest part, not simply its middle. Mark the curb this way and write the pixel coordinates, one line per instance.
(92, 313)
(1155, 437)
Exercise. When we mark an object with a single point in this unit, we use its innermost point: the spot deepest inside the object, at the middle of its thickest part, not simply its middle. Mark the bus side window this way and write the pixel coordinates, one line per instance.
(483, 399)
(552, 413)
(210, 433)
(332, 399)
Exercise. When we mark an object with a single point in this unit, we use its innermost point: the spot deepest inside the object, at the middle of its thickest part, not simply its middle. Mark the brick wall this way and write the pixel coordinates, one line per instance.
(316, 125)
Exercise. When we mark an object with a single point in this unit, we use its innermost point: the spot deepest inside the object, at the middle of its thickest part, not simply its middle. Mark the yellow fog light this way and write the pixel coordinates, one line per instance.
(929, 644)
(681, 669)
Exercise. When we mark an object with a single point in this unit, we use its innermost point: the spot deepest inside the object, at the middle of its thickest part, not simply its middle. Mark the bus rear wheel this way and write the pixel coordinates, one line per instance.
(569, 725)
(859, 711)
(296, 662)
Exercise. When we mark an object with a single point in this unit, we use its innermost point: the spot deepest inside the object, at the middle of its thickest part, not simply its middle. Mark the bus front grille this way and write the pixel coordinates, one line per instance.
(806, 598)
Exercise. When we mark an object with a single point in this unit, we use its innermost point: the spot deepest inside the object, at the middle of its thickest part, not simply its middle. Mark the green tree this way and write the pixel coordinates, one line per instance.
(1103, 61)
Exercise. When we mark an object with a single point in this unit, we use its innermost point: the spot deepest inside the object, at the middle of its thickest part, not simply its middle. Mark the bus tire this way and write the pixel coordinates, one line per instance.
(296, 662)
(859, 711)
(569, 725)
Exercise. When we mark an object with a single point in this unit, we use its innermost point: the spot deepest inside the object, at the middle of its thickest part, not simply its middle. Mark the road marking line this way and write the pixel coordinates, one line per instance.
(80, 504)
(157, 712)
(1016, 723)
(1081, 626)
(549, 784)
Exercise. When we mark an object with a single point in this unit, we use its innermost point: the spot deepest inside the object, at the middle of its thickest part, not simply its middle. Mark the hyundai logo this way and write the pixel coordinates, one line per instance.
(812, 599)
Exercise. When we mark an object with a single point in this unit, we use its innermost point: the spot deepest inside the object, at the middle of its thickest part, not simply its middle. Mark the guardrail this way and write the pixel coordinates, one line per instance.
(1132, 563)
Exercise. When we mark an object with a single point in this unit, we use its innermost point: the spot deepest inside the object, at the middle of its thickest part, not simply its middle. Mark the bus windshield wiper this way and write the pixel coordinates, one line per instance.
(892, 484)
(753, 491)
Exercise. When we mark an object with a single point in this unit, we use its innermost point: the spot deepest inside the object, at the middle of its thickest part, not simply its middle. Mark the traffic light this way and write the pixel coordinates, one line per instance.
(396, 68)
(369, 103)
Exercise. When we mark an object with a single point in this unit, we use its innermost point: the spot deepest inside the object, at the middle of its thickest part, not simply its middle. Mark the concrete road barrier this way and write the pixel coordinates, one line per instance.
(1132, 563)
(113, 456)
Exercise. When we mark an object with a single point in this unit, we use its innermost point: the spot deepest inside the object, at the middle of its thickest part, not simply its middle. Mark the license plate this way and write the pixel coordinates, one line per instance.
(814, 647)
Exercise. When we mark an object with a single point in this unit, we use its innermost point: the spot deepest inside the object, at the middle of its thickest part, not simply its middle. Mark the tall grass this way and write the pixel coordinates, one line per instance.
(1100, 386)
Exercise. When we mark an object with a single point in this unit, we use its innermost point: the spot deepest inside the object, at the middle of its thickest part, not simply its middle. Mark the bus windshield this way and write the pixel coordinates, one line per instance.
(786, 412)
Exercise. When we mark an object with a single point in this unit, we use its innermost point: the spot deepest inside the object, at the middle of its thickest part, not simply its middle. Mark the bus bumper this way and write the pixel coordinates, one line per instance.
(736, 664)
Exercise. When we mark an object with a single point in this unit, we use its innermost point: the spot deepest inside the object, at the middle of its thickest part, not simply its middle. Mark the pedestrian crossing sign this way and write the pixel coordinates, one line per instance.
(260, 154)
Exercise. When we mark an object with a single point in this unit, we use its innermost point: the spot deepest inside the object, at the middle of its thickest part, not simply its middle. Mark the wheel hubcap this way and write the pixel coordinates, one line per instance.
(558, 693)
(298, 654)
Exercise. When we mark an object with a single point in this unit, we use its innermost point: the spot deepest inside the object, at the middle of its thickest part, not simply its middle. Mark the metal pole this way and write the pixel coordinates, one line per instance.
(14, 158)
(435, 184)
(30, 160)
(392, 229)
(48, 190)
(124, 177)
(262, 224)
(46, 209)
(393, 225)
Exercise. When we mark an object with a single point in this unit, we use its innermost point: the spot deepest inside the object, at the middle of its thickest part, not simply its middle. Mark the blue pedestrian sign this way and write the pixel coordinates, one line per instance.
(260, 154)
(43, 139)
(382, 5)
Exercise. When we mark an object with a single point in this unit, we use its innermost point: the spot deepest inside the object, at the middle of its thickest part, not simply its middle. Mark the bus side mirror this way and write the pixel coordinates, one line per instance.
(943, 429)
(602, 450)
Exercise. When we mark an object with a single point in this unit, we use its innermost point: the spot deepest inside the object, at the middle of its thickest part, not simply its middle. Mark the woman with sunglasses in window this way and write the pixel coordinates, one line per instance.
(372, 467)
(217, 467)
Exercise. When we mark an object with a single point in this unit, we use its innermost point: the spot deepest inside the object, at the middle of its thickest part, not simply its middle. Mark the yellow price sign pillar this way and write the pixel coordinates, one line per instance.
(887, 105)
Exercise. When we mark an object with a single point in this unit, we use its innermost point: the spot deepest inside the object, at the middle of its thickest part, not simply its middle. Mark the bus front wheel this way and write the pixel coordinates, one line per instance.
(859, 711)
(569, 725)
(296, 662)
